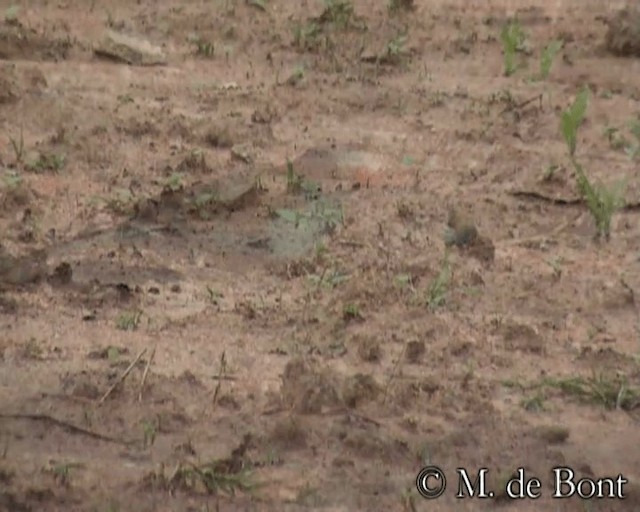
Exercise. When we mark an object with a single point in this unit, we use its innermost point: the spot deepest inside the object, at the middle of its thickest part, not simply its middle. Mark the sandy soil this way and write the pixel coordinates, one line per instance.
(225, 284)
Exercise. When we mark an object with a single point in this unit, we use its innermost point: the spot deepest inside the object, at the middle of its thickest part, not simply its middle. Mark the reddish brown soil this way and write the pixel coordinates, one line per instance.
(306, 360)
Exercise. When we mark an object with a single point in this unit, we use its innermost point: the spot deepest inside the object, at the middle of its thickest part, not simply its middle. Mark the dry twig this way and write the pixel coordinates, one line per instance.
(123, 376)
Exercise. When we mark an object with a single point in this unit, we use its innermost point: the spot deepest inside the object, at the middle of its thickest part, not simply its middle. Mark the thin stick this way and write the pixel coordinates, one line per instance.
(221, 374)
(393, 372)
(224, 377)
(352, 414)
(524, 103)
(144, 374)
(74, 429)
(123, 376)
(555, 232)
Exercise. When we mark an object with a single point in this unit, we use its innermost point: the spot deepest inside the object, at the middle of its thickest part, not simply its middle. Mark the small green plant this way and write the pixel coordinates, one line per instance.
(321, 250)
(633, 148)
(329, 214)
(394, 6)
(394, 49)
(33, 349)
(47, 162)
(294, 182)
(149, 430)
(174, 183)
(12, 180)
(18, 146)
(329, 278)
(214, 478)
(205, 204)
(61, 472)
(612, 392)
(205, 48)
(403, 281)
(259, 4)
(615, 139)
(123, 99)
(533, 403)
(602, 201)
(572, 118)
(112, 506)
(548, 56)
(129, 321)
(618, 141)
(350, 312)
(512, 37)
(11, 14)
(113, 354)
(306, 37)
(296, 76)
(121, 202)
(549, 173)
(338, 12)
(214, 295)
(436, 295)
(556, 266)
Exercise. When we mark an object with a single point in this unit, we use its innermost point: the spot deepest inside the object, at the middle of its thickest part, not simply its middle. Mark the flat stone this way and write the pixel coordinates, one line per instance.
(130, 50)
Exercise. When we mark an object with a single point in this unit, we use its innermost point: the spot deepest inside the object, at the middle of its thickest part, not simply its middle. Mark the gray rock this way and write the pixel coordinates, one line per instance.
(130, 50)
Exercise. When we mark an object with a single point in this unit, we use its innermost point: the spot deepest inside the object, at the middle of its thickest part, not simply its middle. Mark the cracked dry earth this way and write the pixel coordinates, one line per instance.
(223, 272)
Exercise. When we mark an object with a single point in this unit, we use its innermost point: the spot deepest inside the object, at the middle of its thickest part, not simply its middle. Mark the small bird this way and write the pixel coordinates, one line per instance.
(460, 231)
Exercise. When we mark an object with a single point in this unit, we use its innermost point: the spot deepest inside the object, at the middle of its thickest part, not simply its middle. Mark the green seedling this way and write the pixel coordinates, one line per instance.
(129, 321)
(296, 77)
(602, 201)
(615, 139)
(572, 118)
(214, 296)
(205, 48)
(306, 37)
(394, 6)
(350, 312)
(437, 293)
(149, 430)
(47, 162)
(550, 171)
(61, 472)
(633, 149)
(12, 180)
(534, 403)
(121, 203)
(113, 355)
(259, 4)
(512, 37)
(214, 478)
(11, 15)
(403, 281)
(329, 278)
(18, 146)
(556, 266)
(609, 391)
(548, 56)
(294, 182)
(338, 12)
(174, 183)
(394, 49)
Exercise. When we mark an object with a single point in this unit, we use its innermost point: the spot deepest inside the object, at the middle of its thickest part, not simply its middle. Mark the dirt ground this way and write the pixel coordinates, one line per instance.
(224, 277)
